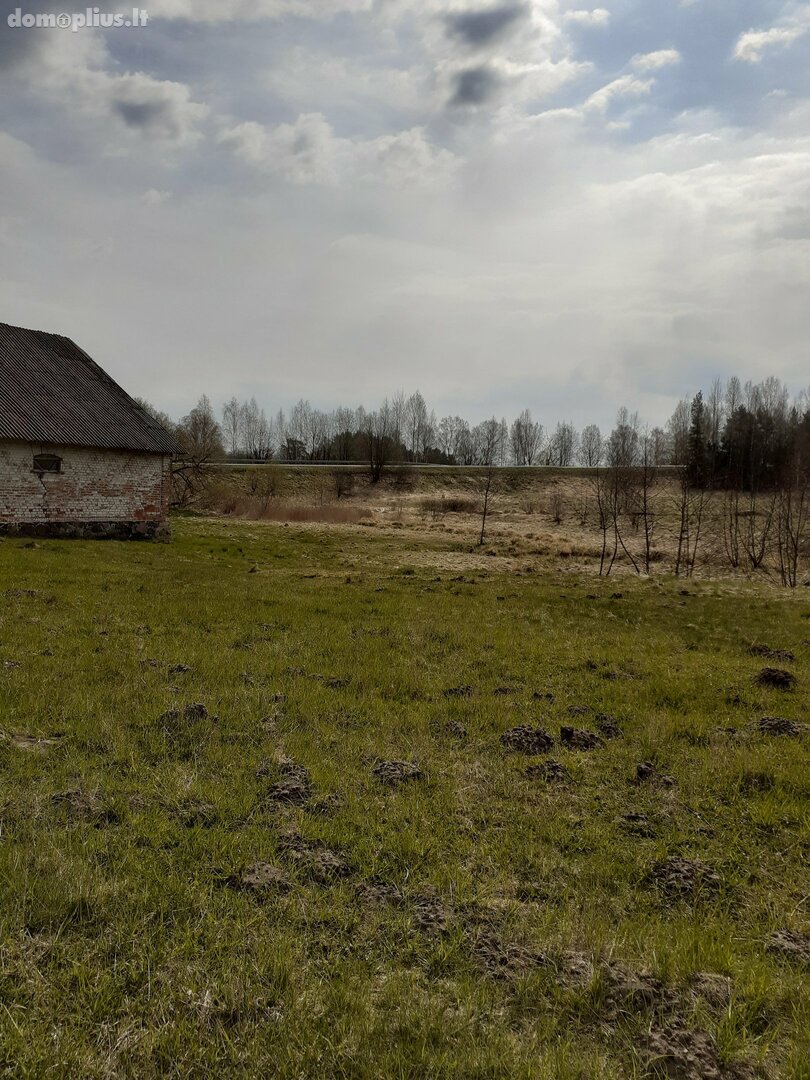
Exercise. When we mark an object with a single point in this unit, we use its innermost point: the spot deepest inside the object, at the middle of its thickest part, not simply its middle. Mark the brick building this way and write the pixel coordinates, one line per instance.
(78, 457)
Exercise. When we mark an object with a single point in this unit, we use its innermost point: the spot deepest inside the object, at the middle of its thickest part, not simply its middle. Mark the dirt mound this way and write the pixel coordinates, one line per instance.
(646, 773)
(260, 878)
(290, 790)
(324, 865)
(84, 806)
(713, 988)
(577, 739)
(784, 656)
(501, 960)
(395, 772)
(430, 914)
(327, 804)
(31, 743)
(579, 710)
(317, 862)
(793, 945)
(456, 730)
(527, 740)
(608, 726)
(777, 678)
(379, 894)
(553, 772)
(637, 825)
(683, 1054)
(778, 725)
(680, 878)
(630, 991)
(459, 691)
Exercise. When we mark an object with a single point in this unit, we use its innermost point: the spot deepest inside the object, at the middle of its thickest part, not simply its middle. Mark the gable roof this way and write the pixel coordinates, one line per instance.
(52, 392)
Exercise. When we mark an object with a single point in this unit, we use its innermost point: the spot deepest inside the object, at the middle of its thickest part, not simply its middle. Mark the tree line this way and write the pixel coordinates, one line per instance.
(741, 436)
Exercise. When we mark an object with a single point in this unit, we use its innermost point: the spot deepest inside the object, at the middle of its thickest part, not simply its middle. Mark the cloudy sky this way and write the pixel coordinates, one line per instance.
(505, 203)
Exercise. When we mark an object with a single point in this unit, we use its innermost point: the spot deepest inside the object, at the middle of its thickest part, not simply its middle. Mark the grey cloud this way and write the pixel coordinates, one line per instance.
(477, 28)
(142, 114)
(475, 86)
(18, 43)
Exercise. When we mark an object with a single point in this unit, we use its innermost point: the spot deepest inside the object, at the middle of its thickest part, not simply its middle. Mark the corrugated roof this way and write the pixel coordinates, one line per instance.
(52, 392)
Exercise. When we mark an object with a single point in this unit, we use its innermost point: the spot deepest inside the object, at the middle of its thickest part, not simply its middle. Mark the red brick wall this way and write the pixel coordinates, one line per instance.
(94, 485)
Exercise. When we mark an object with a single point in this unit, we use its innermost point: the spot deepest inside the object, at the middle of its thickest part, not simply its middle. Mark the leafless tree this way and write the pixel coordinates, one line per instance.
(591, 449)
(525, 438)
(201, 438)
(344, 427)
(490, 443)
(792, 516)
(731, 516)
(562, 447)
(660, 446)
(690, 505)
(646, 477)
(254, 431)
(678, 432)
(756, 533)
(623, 444)
(378, 428)
(231, 425)
(417, 426)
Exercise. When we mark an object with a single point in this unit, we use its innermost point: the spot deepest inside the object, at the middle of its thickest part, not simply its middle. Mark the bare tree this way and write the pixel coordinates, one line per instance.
(417, 425)
(758, 522)
(591, 450)
(731, 516)
(623, 444)
(678, 432)
(562, 446)
(646, 477)
(201, 438)
(525, 439)
(379, 426)
(254, 430)
(792, 515)
(490, 442)
(231, 425)
(690, 505)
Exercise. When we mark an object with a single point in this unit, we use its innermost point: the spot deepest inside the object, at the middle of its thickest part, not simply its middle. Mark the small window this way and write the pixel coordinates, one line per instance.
(47, 463)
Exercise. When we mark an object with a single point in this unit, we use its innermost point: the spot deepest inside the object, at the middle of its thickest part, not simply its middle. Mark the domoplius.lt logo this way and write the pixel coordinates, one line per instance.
(78, 20)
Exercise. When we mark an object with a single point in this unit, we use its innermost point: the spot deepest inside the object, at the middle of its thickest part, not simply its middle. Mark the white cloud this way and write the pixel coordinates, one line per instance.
(596, 17)
(155, 197)
(752, 44)
(654, 61)
(72, 72)
(624, 86)
(221, 11)
(309, 152)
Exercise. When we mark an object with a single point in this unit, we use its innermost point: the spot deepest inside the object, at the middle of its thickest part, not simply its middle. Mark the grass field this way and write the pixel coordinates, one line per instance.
(239, 889)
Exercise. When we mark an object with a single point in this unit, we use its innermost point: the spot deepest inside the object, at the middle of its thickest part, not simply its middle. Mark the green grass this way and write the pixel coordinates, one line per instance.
(125, 953)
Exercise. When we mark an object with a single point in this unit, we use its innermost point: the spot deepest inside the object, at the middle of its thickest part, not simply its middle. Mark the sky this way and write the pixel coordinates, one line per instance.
(505, 204)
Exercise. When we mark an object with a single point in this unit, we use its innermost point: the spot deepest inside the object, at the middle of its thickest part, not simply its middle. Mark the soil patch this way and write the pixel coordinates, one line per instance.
(778, 725)
(793, 945)
(553, 772)
(527, 740)
(395, 772)
(680, 878)
(646, 773)
(777, 678)
(577, 739)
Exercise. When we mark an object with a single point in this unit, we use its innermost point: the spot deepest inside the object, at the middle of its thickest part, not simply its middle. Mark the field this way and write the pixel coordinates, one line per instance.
(257, 816)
